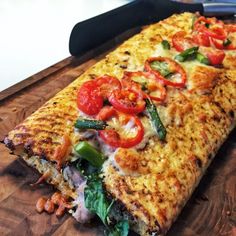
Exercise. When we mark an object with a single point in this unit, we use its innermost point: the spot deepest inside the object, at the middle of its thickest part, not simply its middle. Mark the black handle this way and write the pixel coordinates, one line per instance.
(93, 32)
(97, 30)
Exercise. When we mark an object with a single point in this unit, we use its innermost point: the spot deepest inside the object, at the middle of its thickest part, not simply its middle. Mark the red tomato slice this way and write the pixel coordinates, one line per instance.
(201, 39)
(155, 90)
(181, 43)
(88, 99)
(215, 56)
(230, 27)
(219, 44)
(175, 68)
(106, 112)
(214, 30)
(112, 137)
(106, 84)
(128, 101)
(127, 83)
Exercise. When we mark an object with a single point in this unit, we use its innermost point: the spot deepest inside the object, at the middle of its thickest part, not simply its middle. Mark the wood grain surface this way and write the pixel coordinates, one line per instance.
(210, 211)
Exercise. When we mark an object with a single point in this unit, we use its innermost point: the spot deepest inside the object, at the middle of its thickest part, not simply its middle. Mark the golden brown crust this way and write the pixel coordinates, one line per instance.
(198, 119)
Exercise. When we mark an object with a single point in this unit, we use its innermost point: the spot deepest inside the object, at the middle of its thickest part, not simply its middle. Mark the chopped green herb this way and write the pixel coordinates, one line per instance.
(190, 53)
(90, 124)
(162, 67)
(88, 152)
(207, 25)
(165, 44)
(202, 59)
(155, 119)
(226, 42)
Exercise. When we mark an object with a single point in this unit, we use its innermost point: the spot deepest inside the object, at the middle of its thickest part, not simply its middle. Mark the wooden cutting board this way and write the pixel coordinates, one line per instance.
(211, 210)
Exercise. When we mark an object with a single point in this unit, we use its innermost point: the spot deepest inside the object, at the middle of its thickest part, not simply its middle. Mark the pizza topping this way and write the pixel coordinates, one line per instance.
(127, 129)
(89, 99)
(155, 119)
(165, 44)
(181, 42)
(176, 77)
(215, 56)
(189, 53)
(226, 42)
(106, 84)
(162, 67)
(148, 84)
(83, 124)
(223, 44)
(211, 27)
(202, 59)
(201, 39)
(230, 27)
(88, 152)
(97, 202)
(128, 101)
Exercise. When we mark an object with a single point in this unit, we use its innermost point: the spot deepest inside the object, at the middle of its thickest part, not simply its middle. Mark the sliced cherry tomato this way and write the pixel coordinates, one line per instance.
(112, 137)
(211, 27)
(88, 99)
(215, 56)
(127, 83)
(128, 101)
(155, 90)
(106, 112)
(181, 42)
(230, 27)
(219, 44)
(201, 39)
(174, 68)
(106, 84)
(216, 32)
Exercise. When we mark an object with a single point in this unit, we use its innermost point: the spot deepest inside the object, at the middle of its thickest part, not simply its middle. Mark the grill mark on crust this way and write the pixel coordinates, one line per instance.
(22, 135)
(53, 133)
(49, 120)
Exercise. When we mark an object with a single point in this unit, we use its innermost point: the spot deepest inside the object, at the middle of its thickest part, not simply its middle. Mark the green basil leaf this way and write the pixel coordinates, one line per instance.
(162, 67)
(165, 44)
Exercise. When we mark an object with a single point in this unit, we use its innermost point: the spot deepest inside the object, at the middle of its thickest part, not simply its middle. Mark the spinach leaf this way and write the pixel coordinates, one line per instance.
(95, 198)
(120, 229)
(162, 67)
